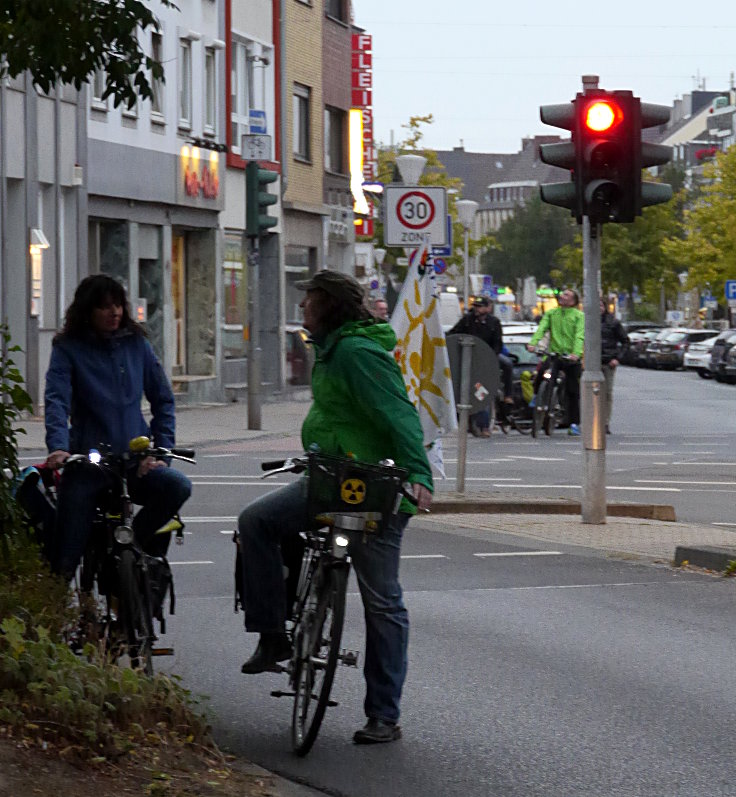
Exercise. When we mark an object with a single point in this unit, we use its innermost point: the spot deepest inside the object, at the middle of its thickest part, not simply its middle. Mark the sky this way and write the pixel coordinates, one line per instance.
(483, 68)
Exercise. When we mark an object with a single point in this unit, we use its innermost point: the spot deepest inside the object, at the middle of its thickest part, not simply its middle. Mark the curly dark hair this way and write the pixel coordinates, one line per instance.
(92, 293)
(335, 312)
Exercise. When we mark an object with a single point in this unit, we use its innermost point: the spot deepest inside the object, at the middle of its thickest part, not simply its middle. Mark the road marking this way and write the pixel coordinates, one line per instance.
(677, 583)
(724, 524)
(423, 556)
(541, 459)
(624, 443)
(214, 519)
(672, 481)
(201, 562)
(519, 553)
(707, 464)
(219, 456)
(579, 487)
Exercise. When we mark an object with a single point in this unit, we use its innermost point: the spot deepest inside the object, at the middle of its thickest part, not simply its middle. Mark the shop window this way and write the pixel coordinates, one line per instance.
(234, 298)
(336, 9)
(334, 140)
(301, 129)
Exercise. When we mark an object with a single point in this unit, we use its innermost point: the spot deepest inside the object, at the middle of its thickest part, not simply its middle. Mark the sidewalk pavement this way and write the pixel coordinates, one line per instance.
(646, 530)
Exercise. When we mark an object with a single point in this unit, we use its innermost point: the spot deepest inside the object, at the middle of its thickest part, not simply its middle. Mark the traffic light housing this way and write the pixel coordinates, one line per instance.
(258, 199)
(605, 156)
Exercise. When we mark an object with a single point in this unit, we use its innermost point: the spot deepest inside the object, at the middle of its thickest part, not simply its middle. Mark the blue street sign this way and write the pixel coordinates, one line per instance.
(440, 265)
(374, 285)
(730, 288)
(445, 251)
(257, 122)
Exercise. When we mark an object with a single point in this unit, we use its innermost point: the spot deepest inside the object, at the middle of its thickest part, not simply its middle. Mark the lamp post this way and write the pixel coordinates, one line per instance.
(411, 168)
(466, 209)
(378, 258)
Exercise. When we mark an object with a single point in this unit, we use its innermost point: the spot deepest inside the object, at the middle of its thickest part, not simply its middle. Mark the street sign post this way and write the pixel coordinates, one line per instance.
(445, 251)
(413, 212)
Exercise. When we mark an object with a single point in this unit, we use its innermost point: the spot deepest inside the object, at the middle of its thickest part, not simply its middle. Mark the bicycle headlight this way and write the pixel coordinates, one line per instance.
(339, 545)
(123, 535)
(94, 456)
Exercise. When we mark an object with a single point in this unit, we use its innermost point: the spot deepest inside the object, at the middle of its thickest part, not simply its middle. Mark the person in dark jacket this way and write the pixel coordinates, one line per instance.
(614, 341)
(101, 366)
(360, 408)
(481, 323)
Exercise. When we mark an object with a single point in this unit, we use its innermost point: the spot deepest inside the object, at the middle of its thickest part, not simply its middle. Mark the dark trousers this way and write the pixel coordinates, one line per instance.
(572, 385)
(265, 528)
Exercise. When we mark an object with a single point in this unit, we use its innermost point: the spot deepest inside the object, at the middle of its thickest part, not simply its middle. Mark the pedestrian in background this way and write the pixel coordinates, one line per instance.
(614, 341)
(380, 309)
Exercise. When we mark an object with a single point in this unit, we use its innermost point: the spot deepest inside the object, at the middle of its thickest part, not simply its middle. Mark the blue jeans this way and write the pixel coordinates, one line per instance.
(161, 491)
(266, 524)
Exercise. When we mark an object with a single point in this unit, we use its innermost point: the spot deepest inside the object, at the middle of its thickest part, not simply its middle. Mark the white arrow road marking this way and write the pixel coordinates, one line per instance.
(423, 556)
(673, 481)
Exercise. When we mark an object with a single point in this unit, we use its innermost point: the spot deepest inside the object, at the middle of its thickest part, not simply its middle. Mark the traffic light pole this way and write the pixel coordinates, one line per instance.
(254, 338)
(592, 381)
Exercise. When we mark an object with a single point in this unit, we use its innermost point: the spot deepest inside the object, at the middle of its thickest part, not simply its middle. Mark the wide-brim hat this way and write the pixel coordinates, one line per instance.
(341, 286)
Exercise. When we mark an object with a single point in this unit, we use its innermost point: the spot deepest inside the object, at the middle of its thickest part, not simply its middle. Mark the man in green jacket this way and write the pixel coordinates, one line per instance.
(361, 410)
(566, 327)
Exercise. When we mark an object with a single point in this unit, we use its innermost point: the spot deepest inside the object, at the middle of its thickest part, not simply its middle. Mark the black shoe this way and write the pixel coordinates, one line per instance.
(272, 648)
(608, 430)
(377, 731)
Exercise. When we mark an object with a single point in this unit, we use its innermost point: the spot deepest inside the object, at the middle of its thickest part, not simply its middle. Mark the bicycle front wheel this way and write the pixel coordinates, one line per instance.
(135, 615)
(317, 658)
(540, 409)
(552, 417)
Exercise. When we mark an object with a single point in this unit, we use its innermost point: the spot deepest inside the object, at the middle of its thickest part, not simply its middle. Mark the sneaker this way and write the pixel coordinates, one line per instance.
(272, 648)
(377, 731)
(574, 430)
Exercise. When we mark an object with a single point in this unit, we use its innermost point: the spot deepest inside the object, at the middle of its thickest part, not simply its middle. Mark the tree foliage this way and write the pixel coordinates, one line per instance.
(68, 40)
(707, 249)
(527, 242)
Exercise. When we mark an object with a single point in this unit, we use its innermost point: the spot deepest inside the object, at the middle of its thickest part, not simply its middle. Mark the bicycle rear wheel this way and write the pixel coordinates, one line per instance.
(540, 409)
(135, 615)
(319, 651)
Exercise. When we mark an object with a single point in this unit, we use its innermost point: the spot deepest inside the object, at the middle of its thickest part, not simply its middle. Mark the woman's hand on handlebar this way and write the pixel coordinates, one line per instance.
(423, 496)
(149, 464)
(56, 459)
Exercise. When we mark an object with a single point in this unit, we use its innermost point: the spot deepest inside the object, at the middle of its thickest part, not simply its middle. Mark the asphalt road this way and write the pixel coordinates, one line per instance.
(542, 671)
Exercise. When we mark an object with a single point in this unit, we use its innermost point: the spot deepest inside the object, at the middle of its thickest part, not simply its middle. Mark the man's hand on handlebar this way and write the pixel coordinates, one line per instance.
(423, 496)
(56, 459)
(148, 464)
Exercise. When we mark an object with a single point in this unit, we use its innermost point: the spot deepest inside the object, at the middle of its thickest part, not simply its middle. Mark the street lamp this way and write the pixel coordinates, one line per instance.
(411, 168)
(466, 209)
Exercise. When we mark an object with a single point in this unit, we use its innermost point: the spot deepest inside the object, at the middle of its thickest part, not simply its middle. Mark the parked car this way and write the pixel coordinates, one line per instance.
(640, 326)
(697, 357)
(635, 353)
(723, 356)
(299, 355)
(668, 349)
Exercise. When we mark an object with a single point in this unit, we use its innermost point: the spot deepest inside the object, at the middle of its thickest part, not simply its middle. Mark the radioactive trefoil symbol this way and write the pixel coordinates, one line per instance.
(352, 491)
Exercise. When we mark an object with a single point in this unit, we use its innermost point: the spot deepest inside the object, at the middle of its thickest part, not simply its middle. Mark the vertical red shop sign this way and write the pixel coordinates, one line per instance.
(362, 98)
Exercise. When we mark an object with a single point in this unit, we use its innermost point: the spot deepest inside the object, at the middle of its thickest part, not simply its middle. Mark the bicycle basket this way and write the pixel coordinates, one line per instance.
(346, 486)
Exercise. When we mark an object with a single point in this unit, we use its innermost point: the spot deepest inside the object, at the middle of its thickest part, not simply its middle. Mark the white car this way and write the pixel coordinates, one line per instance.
(697, 357)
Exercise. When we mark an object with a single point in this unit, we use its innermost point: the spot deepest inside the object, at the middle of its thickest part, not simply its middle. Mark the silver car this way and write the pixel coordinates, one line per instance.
(697, 357)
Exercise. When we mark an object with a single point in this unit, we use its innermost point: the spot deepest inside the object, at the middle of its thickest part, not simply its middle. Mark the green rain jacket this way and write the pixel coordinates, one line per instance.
(566, 327)
(360, 403)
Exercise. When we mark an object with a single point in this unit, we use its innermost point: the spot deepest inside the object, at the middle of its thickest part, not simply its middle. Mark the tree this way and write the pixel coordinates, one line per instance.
(68, 40)
(707, 249)
(527, 242)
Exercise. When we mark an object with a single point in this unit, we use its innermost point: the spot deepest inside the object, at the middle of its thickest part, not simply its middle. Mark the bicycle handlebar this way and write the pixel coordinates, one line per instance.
(158, 452)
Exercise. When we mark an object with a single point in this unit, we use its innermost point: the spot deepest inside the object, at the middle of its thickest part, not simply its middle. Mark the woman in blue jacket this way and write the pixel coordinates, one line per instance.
(101, 366)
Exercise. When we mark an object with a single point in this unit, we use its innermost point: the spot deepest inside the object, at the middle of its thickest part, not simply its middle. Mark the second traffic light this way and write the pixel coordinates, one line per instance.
(258, 199)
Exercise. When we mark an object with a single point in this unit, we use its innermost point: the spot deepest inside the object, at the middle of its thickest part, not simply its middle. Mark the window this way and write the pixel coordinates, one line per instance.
(334, 140)
(301, 121)
(185, 83)
(157, 85)
(336, 9)
(210, 92)
(242, 91)
(98, 89)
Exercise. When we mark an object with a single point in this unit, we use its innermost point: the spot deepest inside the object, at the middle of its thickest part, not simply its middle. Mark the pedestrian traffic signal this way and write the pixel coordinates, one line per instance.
(258, 199)
(605, 156)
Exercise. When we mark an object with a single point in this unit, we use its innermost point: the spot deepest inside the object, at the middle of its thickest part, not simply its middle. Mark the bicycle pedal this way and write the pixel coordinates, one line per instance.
(280, 693)
(349, 658)
(162, 651)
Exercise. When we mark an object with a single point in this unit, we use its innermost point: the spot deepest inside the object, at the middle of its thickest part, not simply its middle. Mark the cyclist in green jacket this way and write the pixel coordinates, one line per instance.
(566, 327)
(360, 409)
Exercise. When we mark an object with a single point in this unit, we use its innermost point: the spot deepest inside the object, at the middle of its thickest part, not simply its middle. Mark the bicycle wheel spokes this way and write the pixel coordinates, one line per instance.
(317, 660)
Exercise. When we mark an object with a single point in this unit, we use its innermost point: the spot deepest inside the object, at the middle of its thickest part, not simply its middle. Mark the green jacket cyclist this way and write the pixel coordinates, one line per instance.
(360, 409)
(566, 327)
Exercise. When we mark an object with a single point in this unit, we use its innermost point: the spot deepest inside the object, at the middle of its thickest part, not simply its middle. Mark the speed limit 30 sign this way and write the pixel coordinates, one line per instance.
(414, 212)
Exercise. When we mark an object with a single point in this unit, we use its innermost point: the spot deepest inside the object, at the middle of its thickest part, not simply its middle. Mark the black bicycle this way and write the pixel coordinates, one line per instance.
(347, 500)
(130, 585)
(550, 407)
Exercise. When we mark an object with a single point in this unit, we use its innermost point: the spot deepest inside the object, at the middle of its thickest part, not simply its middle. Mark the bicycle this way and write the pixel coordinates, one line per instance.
(336, 488)
(550, 406)
(518, 416)
(131, 583)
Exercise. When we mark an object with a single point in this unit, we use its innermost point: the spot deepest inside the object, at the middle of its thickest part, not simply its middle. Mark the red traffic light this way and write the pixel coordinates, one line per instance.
(602, 115)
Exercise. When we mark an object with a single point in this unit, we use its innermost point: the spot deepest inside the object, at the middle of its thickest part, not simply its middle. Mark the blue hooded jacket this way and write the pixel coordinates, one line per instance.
(94, 388)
